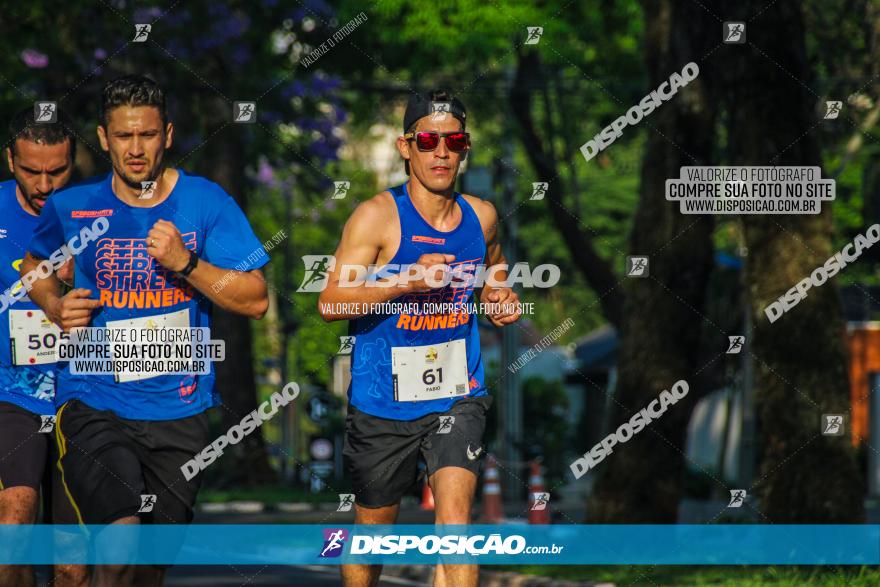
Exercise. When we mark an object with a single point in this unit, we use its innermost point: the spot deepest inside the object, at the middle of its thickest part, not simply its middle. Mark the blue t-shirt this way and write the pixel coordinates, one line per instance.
(131, 284)
(28, 386)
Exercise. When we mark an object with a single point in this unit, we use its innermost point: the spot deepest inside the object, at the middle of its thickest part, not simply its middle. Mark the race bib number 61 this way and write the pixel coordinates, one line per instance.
(434, 371)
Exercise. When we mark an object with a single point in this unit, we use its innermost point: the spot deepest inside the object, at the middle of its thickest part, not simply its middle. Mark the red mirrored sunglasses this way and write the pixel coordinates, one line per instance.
(457, 142)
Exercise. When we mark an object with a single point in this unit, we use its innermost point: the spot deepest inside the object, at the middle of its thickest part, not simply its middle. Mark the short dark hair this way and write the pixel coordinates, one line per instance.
(23, 126)
(131, 90)
(427, 97)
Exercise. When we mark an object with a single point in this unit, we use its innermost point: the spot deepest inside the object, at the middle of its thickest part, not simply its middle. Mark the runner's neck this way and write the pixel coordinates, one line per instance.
(437, 208)
(24, 203)
(132, 196)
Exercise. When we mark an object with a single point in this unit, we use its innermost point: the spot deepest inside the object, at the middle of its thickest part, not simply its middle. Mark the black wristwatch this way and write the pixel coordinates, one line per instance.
(193, 261)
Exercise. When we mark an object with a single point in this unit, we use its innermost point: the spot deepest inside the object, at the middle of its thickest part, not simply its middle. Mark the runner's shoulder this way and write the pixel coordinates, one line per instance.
(484, 209)
(380, 211)
(7, 192)
(80, 193)
(209, 192)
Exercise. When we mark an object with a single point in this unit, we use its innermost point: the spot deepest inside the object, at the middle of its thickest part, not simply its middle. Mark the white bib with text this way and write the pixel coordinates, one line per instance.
(433, 371)
(34, 337)
(179, 319)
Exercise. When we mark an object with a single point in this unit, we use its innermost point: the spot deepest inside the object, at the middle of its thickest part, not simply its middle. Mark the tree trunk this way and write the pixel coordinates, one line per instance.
(596, 270)
(799, 359)
(641, 481)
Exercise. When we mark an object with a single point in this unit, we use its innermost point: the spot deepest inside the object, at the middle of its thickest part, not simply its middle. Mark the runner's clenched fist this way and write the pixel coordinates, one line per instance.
(165, 244)
(73, 310)
(429, 272)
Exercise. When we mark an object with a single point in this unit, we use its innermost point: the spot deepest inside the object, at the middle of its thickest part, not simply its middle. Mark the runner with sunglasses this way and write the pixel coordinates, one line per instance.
(417, 389)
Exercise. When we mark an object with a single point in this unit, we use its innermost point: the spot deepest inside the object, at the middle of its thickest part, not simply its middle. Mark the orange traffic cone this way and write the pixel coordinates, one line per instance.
(427, 496)
(493, 513)
(539, 499)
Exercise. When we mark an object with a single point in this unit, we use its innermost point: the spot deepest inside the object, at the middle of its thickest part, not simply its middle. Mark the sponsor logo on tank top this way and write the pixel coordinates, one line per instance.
(428, 239)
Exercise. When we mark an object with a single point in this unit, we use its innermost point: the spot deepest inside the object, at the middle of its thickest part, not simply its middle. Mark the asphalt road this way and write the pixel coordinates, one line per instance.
(301, 576)
(241, 576)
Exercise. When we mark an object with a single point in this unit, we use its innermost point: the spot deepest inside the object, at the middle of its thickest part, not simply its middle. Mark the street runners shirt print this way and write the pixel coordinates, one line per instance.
(135, 291)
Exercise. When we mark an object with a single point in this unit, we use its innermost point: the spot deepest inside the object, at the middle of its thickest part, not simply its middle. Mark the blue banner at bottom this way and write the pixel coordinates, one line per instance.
(222, 544)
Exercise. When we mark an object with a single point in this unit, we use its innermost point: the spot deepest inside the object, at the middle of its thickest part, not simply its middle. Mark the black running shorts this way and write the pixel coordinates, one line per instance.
(382, 456)
(109, 463)
(29, 458)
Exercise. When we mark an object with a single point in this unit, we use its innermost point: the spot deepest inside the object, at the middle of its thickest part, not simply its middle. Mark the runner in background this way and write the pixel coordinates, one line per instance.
(40, 157)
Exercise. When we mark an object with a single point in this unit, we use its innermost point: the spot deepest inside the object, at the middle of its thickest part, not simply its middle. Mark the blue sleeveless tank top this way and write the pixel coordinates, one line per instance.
(373, 387)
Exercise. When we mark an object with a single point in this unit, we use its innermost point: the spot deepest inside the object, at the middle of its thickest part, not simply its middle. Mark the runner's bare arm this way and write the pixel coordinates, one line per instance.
(360, 245)
(71, 310)
(505, 301)
(246, 293)
(363, 241)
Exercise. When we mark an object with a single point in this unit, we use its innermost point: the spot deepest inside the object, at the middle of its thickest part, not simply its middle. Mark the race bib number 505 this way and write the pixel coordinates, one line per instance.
(34, 337)
(434, 371)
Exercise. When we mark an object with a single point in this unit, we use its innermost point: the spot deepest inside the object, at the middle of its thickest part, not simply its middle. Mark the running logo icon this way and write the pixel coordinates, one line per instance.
(439, 110)
(735, 344)
(734, 33)
(141, 32)
(148, 189)
(637, 266)
(334, 542)
(47, 424)
(45, 112)
(539, 501)
(317, 268)
(832, 109)
(346, 501)
(539, 190)
(346, 345)
(446, 423)
(244, 112)
(832, 424)
(340, 188)
(737, 498)
(533, 35)
(147, 503)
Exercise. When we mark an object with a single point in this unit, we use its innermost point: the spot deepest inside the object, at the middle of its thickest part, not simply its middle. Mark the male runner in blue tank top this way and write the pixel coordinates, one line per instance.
(126, 435)
(40, 157)
(411, 370)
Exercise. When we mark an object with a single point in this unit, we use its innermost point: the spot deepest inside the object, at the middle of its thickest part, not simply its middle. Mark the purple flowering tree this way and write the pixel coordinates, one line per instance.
(206, 55)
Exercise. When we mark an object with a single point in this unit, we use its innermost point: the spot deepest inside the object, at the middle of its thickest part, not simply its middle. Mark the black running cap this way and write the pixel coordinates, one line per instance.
(420, 105)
